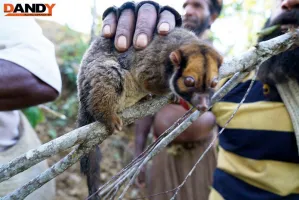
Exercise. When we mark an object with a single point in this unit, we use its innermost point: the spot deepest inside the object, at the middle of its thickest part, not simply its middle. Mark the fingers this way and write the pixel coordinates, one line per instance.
(145, 25)
(120, 22)
(140, 181)
(109, 25)
(166, 22)
(124, 31)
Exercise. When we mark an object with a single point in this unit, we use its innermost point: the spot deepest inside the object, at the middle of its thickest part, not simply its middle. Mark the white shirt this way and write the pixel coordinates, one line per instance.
(22, 42)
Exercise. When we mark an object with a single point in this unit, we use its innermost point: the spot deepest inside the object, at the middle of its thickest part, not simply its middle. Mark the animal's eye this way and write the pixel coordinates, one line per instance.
(189, 81)
(214, 83)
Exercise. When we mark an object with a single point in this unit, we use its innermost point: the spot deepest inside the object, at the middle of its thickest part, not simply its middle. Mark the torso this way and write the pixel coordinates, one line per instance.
(258, 157)
(132, 94)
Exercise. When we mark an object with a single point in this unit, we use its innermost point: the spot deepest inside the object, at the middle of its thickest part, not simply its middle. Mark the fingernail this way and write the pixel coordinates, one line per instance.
(107, 30)
(122, 42)
(141, 40)
(164, 27)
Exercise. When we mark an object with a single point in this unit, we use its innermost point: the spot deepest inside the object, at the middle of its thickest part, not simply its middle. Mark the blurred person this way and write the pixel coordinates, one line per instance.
(256, 160)
(29, 75)
(258, 157)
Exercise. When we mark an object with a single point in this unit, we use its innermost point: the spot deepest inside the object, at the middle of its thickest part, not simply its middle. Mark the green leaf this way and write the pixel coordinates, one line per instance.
(34, 115)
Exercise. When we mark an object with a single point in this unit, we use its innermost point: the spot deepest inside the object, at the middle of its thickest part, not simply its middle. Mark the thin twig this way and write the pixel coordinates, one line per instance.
(178, 130)
(258, 54)
(214, 139)
(144, 153)
(48, 175)
(230, 84)
(158, 145)
(51, 112)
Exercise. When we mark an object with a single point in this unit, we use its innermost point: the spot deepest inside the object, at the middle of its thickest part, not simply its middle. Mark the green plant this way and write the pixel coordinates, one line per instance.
(71, 55)
(34, 115)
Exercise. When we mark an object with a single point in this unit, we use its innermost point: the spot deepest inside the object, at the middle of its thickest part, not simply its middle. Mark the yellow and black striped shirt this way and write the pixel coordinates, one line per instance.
(258, 157)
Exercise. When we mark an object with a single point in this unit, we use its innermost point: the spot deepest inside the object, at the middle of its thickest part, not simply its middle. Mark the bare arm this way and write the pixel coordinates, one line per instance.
(19, 88)
(142, 129)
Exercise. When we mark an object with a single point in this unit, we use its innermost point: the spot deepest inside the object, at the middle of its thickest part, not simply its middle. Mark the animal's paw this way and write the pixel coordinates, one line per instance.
(174, 99)
(147, 98)
(116, 122)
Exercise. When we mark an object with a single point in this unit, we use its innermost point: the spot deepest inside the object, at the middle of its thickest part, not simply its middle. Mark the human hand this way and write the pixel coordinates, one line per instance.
(140, 181)
(136, 23)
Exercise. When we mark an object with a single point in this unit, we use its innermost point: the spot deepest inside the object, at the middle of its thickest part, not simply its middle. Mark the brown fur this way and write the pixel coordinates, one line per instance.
(109, 82)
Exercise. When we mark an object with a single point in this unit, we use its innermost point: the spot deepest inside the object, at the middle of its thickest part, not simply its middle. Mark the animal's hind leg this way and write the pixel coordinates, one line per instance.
(104, 109)
(105, 95)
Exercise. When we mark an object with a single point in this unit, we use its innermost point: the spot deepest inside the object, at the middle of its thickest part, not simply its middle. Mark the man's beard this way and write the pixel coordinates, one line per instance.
(196, 25)
(280, 68)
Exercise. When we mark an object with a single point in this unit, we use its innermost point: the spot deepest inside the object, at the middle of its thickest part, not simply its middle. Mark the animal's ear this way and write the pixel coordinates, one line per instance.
(176, 57)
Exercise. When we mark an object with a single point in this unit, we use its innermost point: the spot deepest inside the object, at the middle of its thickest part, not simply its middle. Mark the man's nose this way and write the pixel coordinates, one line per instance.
(189, 10)
(289, 4)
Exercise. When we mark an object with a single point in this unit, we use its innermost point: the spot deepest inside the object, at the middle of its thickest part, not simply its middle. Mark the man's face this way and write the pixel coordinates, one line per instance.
(197, 16)
(285, 13)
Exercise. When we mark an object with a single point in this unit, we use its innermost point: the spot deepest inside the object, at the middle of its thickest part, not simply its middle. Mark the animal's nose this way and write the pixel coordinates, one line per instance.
(289, 4)
(201, 101)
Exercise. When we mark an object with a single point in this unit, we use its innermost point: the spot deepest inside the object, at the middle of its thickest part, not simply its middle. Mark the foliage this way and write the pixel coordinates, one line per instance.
(34, 115)
(245, 18)
(71, 54)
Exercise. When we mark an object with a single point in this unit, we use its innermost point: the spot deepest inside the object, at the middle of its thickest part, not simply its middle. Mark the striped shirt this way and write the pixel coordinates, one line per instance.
(258, 157)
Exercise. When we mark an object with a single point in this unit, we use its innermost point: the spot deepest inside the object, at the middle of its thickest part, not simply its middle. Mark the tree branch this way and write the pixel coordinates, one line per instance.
(96, 134)
(214, 139)
(77, 136)
(168, 136)
(258, 54)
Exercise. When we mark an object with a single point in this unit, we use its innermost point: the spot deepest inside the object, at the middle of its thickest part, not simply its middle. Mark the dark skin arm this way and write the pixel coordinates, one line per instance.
(142, 129)
(20, 89)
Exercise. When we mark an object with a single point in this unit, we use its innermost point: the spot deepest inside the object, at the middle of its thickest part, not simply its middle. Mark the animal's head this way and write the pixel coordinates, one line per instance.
(195, 73)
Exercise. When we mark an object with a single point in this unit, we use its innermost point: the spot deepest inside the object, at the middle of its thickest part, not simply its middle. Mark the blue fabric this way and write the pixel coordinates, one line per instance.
(261, 145)
(231, 188)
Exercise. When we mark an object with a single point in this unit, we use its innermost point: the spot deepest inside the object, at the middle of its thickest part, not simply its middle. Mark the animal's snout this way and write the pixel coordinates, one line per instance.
(201, 101)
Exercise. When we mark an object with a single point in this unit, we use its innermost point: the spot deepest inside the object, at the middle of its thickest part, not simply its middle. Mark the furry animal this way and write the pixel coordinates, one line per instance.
(109, 81)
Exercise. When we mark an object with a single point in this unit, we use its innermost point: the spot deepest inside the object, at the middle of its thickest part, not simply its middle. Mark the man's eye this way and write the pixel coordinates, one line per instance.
(197, 5)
